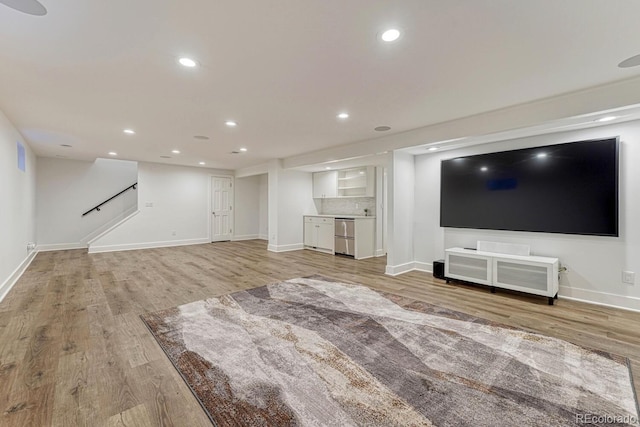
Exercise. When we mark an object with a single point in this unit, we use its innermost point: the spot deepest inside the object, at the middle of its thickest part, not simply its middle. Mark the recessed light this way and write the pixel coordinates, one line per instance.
(187, 62)
(202, 137)
(175, 151)
(433, 148)
(484, 169)
(129, 131)
(382, 128)
(113, 153)
(231, 123)
(343, 116)
(328, 168)
(390, 35)
(361, 172)
(541, 155)
(243, 150)
(202, 163)
(606, 119)
(634, 61)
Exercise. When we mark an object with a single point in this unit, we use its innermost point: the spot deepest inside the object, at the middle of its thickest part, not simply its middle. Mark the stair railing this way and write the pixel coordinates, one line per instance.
(97, 208)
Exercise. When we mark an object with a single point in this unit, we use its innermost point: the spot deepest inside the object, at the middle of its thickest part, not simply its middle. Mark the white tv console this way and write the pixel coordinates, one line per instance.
(531, 274)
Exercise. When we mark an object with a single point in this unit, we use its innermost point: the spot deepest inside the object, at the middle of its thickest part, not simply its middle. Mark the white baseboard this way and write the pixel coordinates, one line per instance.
(394, 270)
(583, 295)
(17, 273)
(244, 237)
(285, 248)
(61, 247)
(263, 237)
(148, 245)
(380, 252)
(423, 266)
(600, 298)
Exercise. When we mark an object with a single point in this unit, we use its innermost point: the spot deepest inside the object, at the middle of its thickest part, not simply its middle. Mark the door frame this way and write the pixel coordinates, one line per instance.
(232, 204)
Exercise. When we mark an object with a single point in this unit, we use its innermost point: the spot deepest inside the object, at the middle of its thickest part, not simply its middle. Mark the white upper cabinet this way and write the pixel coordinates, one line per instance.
(325, 184)
(354, 182)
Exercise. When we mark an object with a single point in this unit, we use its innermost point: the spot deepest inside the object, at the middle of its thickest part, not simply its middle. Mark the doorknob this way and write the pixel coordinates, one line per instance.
(213, 213)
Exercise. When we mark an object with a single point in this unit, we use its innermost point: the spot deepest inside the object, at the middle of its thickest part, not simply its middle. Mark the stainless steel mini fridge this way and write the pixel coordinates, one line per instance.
(345, 236)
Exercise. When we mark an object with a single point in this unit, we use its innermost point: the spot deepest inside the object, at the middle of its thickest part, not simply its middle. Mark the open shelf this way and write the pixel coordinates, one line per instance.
(356, 182)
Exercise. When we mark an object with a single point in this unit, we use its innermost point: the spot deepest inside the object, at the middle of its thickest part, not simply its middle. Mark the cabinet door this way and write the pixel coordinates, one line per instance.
(525, 276)
(371, 181)
(326, 235)
(472, 268)
(325, 184)
(310, 234)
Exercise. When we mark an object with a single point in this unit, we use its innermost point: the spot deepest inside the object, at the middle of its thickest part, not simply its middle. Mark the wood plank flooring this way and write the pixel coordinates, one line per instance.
(73, 351)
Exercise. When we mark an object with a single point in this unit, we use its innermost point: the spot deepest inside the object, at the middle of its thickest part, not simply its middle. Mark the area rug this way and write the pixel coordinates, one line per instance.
(315, 352)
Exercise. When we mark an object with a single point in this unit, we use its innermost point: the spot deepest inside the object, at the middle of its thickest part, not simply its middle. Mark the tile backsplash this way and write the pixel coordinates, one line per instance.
(347, 206)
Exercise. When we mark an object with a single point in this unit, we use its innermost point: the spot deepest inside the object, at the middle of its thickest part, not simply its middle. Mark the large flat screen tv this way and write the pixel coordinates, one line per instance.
(567, 188)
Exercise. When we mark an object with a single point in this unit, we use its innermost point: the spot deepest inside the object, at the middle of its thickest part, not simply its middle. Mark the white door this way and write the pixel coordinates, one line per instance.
(221, 208)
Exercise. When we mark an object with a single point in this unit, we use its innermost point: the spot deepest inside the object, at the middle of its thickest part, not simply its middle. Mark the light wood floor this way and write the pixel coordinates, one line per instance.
(73, 350)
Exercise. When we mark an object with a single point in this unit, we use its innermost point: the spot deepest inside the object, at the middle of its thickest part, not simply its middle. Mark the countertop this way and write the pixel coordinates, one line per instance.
(343, 216)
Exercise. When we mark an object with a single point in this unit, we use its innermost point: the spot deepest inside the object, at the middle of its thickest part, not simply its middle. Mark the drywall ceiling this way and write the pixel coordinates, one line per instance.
(283, 70)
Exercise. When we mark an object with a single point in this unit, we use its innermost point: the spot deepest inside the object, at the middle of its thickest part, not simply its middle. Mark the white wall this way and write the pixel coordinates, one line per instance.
(595, 263)
(263, 217)
(247, 208)
(174, 209)
(17, 211)
(290, 197)
(67, 188)
(401, 181)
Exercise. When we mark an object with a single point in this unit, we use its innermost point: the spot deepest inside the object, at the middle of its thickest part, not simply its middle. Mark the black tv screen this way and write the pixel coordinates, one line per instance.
(567, 188)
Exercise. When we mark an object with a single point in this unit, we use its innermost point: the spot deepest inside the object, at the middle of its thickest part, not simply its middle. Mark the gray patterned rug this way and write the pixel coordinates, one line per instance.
(315, 352)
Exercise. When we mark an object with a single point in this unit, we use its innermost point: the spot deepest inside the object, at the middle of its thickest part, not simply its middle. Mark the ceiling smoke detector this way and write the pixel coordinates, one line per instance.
(382, 128)
(201, 137)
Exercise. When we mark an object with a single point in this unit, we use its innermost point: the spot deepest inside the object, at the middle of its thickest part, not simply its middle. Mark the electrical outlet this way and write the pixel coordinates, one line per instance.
(628, 277)
(149, 204)
(357, 205)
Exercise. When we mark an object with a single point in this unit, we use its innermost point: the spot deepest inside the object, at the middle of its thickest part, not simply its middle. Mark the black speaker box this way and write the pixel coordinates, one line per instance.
(438, 269)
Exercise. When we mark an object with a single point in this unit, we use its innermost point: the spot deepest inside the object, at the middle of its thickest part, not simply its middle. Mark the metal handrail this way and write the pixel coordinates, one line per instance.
(97, 208)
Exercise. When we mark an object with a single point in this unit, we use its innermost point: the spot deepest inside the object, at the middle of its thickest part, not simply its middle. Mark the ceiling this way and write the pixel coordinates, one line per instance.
(283, 70)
